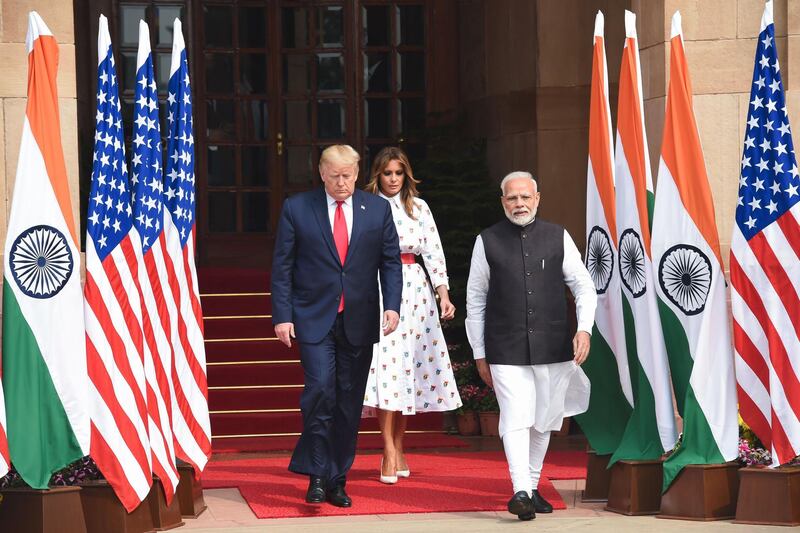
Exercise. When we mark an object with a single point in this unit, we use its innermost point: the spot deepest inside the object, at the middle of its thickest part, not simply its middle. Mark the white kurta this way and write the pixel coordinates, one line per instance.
(411, 369)
(537, 396)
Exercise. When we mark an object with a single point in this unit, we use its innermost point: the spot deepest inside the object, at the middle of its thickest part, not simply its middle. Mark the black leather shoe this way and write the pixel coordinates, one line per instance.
(338, 497)
(520, 505)
(316, 490)
(540, 505)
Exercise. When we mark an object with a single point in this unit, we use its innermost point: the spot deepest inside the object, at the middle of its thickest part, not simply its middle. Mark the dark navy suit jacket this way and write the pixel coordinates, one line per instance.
(308, 278)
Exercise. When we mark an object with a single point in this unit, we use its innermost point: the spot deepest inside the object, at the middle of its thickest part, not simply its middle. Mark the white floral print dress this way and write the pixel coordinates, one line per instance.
(411, 369)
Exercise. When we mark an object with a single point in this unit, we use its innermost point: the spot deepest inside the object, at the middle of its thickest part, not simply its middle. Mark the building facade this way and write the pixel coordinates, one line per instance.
(276, 80)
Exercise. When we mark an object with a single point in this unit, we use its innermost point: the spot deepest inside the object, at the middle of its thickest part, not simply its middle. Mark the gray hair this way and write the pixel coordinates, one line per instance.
(516, 175)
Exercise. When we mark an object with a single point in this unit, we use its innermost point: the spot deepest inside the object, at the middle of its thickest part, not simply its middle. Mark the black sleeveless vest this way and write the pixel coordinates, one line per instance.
(526, 308)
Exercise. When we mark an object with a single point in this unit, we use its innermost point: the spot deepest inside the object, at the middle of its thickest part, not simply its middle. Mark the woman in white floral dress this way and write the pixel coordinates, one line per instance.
(411, 371)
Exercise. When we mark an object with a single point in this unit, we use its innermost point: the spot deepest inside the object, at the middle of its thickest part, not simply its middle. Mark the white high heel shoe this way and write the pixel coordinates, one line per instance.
(389, 480)
(404, 473)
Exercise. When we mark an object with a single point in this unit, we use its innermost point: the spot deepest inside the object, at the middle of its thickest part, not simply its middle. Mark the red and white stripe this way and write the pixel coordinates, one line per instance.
(158, 310)
(765, 297)
(156, 318)
(191, 424)
(120, 443)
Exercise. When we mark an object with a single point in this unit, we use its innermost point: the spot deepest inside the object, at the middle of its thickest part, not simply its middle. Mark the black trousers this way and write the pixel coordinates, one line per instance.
(335, 378)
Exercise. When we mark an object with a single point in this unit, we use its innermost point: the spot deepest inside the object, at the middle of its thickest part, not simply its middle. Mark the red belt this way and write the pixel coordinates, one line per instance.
(408, 259)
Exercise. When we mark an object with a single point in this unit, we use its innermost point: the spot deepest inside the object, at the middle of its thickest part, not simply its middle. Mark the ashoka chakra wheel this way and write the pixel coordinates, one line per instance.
(41, 261)
(631, 262)
(599, 258)
(684, 274)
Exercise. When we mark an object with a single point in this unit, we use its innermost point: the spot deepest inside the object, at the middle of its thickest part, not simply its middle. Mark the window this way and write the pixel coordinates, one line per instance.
(393, 75)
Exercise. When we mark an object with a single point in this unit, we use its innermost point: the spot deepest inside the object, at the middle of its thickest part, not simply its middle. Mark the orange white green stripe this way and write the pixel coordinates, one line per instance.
(611, 398)
(44, 358)
(651, 428)
(691, 283)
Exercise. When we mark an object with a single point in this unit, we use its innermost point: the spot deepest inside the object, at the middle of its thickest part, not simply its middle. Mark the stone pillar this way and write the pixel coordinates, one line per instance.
(720, 41)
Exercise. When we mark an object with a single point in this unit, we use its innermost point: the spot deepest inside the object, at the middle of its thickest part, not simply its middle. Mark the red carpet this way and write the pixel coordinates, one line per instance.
(565, 464)
(365, 442)
(452, 482)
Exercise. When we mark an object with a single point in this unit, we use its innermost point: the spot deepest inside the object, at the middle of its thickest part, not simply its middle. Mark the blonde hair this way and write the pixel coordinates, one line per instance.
(408, 191)
(339, 153)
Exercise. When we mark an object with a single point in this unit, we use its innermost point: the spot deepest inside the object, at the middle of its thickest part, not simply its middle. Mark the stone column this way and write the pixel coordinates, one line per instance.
(720, 41)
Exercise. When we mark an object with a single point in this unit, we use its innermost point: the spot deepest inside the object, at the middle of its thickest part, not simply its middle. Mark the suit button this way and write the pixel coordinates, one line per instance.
(343, 274)
(524, 236)
(528, 273)
(530, 311)
(530, 291)
(530, 330)
(526, 254)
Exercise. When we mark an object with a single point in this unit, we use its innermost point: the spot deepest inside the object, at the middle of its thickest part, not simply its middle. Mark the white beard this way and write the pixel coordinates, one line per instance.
(522, 220)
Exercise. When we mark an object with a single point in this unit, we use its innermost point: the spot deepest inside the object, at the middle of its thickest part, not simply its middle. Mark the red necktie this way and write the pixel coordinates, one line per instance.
(340, 238)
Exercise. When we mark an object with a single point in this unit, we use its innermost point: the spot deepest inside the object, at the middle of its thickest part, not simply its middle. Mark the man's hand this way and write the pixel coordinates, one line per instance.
(483, 371)
(390, 321)
(285, 333)
(580, 347)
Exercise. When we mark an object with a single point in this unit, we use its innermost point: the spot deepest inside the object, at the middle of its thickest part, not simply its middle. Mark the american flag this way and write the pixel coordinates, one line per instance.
(190, 416)
(765, 270)
(113, 313)
(158, 310)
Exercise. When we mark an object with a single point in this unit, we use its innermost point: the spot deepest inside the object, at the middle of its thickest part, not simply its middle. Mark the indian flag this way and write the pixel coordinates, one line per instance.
(44, 353)
(5, 460)
(611, 398)
(651, 428)
(691, 283)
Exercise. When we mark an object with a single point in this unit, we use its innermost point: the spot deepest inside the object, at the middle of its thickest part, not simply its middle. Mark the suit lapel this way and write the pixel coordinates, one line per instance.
(359, 212)
(320, 208)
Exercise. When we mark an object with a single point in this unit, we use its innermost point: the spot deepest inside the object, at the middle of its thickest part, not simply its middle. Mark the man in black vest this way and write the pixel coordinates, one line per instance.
(517, 327)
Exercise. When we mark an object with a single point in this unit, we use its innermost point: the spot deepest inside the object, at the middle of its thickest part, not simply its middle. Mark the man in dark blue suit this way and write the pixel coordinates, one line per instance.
(331, 245)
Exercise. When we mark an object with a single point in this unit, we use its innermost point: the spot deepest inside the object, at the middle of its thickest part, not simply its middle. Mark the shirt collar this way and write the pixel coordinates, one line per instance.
(394, 200)
(332, 201)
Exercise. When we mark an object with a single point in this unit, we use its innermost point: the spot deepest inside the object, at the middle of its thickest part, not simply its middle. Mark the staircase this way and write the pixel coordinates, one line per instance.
(254, 381)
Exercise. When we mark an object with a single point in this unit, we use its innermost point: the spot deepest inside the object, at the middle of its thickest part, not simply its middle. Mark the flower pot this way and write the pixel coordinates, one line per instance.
(769, 496)
(164, 516)
(490, 422)
(598, 477)
(635, 487)
(702, 492)
(26, 510)
(190, 492)
(468, 423)
(103, 511)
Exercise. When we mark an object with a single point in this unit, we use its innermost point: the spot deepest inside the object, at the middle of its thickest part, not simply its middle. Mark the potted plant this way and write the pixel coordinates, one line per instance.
(489, 413)
(56, 508)
(765, 494)
(471, 392)
(467, 414)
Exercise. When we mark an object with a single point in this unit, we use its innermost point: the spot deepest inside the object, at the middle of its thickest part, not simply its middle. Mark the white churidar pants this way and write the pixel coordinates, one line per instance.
(533, 400)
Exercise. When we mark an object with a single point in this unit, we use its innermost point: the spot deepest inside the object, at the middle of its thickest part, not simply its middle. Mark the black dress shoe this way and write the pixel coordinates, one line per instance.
(316, 490)
(338, 497)
(540, 505)
(520, 504)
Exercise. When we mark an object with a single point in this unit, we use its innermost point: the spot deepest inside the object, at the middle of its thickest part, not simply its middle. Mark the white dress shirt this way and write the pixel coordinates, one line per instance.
(347, 208)
(576, 277)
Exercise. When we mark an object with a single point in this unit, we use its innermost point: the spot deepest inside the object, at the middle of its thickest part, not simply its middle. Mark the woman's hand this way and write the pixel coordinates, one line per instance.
(448, 309)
